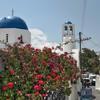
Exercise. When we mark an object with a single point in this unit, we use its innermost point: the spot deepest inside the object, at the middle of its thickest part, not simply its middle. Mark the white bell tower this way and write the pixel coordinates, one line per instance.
(68, 36)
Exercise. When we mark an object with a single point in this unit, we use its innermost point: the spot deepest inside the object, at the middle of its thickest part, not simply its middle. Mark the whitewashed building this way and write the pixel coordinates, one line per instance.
(68, 35)
(69, 45)
(13, 29)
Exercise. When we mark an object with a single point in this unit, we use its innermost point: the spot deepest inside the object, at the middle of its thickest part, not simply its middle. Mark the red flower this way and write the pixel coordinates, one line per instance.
(53, 74)
(12, 72)
(4, 88)
(39, 76)
(10, 85)
(44, 95)
(51, 64)
(41, 82)
(49, 77)
(37, 87)
(57, 77)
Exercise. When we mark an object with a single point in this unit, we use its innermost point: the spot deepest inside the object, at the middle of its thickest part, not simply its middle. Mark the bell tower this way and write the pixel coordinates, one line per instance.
(68, 36)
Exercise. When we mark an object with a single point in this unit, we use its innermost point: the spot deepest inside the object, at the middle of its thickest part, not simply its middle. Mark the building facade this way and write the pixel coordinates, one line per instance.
(68, 36)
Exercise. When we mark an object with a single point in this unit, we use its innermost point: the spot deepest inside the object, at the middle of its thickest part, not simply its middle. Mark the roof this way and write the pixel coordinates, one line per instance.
(13, 22)
(69, 22)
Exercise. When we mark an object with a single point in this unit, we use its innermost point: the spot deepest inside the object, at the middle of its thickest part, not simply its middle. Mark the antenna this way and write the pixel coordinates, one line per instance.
(12, 12)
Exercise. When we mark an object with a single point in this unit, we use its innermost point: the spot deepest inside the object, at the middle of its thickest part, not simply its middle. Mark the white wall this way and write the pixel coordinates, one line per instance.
(69, 46)
(97, 86)
(13, 35)
(75, 55)
(76, 87)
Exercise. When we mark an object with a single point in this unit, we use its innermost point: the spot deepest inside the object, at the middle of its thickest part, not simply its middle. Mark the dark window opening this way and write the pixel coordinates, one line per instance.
(65, 28)
(6, 37)
(21, 39)
(71, 28)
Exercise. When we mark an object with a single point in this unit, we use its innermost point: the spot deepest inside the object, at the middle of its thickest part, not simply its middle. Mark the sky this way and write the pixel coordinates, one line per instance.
(49, 15)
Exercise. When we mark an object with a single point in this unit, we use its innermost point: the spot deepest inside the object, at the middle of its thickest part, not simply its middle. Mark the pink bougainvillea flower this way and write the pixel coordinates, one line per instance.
(37, 87)
(41, 82)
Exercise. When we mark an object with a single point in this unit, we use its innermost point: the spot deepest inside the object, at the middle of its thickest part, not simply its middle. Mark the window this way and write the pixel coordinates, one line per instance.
(71, 28)
(6, 37)
(21, 39)
(65, 28)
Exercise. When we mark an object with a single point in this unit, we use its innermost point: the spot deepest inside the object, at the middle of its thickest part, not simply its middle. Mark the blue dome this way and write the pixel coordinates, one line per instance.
(69, 22)
(13, 22)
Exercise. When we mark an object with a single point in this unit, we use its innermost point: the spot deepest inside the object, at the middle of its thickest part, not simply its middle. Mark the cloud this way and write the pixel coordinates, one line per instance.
(39, 40)
(50, 44)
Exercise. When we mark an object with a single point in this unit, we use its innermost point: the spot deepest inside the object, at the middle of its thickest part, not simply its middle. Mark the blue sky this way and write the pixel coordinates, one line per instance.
(49, 15)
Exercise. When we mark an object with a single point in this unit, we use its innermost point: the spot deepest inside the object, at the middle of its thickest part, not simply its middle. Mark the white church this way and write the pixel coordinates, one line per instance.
(14, 28)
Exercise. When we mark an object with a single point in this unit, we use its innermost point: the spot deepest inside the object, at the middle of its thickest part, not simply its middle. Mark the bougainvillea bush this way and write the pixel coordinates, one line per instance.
(29, 73)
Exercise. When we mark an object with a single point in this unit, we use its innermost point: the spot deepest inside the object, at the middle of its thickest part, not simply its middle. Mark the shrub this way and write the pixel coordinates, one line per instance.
(28, 73)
